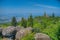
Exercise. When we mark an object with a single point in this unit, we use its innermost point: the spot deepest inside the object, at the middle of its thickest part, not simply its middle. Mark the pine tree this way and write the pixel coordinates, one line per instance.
(23, 22)
(45, 14)
(53, 15)
(14, 21)
(30, 20)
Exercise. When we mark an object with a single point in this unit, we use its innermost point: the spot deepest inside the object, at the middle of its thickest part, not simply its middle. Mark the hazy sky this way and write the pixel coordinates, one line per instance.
(29, 6)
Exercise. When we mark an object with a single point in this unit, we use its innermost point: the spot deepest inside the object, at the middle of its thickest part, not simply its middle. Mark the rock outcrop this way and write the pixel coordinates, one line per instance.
(9, 32)
(17, 33)
(41, 36)
(18, 28)
(22, 33)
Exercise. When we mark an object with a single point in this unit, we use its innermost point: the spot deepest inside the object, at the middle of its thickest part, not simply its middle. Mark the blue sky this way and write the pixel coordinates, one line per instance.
(25, 7)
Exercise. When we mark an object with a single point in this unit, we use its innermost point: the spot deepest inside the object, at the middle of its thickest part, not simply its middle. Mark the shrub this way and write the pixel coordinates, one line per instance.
(29, 37)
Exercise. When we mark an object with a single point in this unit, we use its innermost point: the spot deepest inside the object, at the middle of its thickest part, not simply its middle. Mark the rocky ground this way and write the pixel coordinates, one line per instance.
(16, 33)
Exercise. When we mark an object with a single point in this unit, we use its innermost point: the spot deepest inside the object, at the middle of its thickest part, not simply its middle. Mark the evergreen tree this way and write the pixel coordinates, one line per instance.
(14, 22)
(53, 18)
(53, 15)
(45, 14)
(23, 22)
(30, 21)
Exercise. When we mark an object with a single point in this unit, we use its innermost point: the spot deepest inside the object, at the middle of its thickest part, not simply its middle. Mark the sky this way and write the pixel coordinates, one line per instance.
(25, 7)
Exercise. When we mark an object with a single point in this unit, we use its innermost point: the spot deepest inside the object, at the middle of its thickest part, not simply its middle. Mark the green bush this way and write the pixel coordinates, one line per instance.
(29, 37)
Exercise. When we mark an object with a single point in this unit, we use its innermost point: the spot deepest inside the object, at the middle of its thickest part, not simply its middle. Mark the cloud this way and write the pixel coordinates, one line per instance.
(40, 5)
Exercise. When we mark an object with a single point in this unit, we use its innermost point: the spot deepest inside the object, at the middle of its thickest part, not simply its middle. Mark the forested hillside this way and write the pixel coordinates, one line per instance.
(49, 25)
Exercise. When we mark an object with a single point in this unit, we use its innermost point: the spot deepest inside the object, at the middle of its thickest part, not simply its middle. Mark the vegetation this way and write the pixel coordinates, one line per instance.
(53, 15)
(29, 37)
(14, 22)
(58, 33)
(23, 22)
(45, 14)
(30, 20)
(49, 25)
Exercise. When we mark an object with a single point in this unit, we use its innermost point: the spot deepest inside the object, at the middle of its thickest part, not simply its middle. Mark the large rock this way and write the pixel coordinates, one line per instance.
(23, 32)
(41, 36)
(9, 32)
(18, 28)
